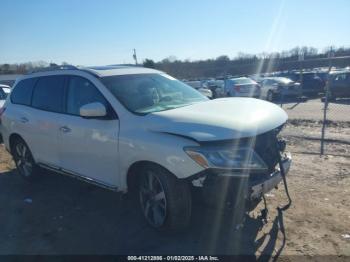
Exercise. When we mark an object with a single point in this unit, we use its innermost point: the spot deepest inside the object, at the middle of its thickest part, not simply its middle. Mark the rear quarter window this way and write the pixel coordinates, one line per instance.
(22, 92)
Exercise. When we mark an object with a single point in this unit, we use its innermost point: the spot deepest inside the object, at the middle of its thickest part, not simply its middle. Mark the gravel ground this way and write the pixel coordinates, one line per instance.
(61, 215)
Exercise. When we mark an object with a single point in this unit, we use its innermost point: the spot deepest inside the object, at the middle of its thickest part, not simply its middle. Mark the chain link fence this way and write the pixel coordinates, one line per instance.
(324, 119)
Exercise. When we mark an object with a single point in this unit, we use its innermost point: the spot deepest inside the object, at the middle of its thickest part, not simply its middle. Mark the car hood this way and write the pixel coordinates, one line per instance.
(219, 119)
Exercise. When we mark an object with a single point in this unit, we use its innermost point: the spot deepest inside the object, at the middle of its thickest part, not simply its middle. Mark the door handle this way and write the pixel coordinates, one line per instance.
(65, 129)
(23, 119)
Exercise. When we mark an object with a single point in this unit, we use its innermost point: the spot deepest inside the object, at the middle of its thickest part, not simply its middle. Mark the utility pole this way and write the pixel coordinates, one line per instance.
(301, 59)
(326, 100)
(134, 56)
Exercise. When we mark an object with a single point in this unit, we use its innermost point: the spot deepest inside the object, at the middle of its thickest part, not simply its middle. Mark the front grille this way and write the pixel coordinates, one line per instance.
(266, 147)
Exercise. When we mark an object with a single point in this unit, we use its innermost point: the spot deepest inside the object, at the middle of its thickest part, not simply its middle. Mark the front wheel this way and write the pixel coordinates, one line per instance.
(24, 161)
(165, 200)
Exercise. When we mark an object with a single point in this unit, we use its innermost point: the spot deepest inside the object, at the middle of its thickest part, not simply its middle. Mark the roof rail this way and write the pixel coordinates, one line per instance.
(53, 68)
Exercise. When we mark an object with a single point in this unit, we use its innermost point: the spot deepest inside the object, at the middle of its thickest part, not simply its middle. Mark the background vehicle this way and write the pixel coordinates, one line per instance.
(4, 91)
(140, 130)
(311, 83)
(242, 87)
(8, 80)
(216, 87)
(257, 78)
(339, 85)
(323, 75)
(201, 87)
(273, 87)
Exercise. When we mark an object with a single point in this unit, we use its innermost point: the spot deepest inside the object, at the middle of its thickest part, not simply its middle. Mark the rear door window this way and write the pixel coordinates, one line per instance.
(48, 94)
(340, 78)
(22, 92)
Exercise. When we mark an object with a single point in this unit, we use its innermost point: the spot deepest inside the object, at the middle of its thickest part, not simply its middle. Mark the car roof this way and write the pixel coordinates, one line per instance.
(277, 78)
(98, 71)
(239, 78)
(335, 72)
(103, 71)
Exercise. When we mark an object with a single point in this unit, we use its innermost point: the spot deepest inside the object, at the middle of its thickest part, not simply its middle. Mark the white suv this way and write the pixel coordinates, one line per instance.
(140, 130)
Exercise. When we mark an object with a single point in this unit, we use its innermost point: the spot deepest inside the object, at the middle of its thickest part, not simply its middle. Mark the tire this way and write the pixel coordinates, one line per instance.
(215, 95)
(269, 96)
(165, 201)
(23, 158)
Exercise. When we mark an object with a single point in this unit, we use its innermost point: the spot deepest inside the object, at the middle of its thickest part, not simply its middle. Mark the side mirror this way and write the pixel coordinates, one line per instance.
(95, 109)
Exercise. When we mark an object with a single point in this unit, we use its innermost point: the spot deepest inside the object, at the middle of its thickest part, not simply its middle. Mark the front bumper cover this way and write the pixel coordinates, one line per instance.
(257, 190)
(230, 187)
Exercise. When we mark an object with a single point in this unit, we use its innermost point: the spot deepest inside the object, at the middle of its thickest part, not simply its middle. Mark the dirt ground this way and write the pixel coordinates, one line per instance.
(61, 215)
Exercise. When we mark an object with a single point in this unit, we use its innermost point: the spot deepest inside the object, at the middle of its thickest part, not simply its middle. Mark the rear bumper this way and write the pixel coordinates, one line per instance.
(255, 95)
(289, 92)
(306, 91)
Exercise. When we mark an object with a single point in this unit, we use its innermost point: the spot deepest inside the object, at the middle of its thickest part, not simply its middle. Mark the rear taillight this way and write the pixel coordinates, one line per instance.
(237, 88)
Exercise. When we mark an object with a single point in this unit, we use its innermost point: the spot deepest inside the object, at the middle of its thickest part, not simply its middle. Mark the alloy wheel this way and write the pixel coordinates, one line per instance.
(153, 199)
(23, 159)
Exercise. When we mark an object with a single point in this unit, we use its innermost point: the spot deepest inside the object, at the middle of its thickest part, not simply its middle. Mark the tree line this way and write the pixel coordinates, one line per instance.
(246, 64)
(242, 64)
(23, 68)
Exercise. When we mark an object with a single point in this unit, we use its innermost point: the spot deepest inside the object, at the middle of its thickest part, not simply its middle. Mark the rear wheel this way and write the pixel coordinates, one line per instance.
(269, 96)
(165, 200)
(24, 161)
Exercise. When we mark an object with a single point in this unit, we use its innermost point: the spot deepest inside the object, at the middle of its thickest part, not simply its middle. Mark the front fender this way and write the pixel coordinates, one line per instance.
(163, 149)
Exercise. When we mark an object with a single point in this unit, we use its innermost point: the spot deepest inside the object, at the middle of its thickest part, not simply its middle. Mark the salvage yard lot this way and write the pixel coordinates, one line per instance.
(60, 215)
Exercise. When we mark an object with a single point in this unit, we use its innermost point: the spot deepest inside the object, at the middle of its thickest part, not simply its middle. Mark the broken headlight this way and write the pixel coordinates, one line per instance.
(236, 159)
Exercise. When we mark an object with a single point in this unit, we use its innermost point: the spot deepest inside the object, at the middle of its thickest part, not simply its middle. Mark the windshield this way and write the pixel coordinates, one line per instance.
(243, 81)
(146, 93)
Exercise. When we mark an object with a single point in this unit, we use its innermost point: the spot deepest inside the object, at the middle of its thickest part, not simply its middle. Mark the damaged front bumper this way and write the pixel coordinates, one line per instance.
(257, 190)
(233, 188)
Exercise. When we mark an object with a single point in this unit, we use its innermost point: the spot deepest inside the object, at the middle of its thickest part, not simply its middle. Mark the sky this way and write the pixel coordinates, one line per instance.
(103, 32)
